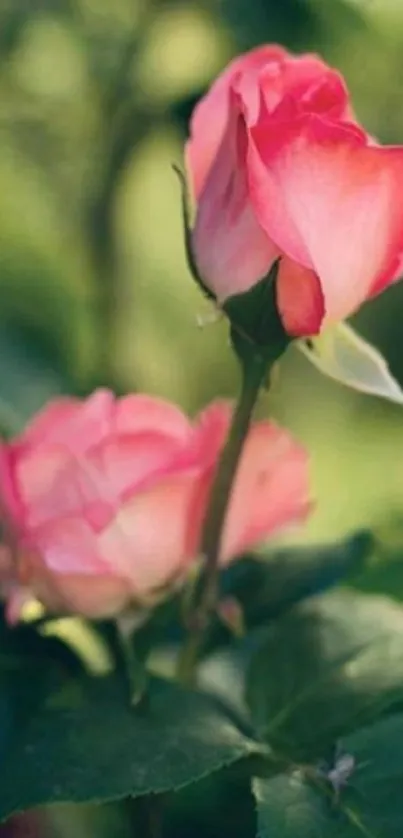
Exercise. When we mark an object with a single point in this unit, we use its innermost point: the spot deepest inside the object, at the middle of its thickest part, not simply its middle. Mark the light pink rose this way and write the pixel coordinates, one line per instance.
(106, 498)
(280, 170)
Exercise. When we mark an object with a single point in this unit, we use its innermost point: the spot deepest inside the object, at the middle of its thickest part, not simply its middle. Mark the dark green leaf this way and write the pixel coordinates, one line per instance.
(31, 667)
(220, 806)
(300, 804)
(331, 665)
(91, 745)
(384, 575)
(266, 587)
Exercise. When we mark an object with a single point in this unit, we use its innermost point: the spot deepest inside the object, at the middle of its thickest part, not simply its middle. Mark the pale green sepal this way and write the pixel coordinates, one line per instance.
(345, 356)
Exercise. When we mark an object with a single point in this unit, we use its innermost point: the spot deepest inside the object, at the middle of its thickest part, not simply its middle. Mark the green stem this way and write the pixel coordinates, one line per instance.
(134, 669)
(253, 373)
(147, 815)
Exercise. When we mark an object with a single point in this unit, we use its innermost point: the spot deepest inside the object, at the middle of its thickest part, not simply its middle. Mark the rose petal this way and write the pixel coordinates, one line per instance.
(271, 489)
(274, 72)
(211, 429)
(92, 591)
(149, 539)
(50, 421)
(69, 422)
(299, 299)
(231, 250)
(209, 118)
(331, 202)
(138, 414)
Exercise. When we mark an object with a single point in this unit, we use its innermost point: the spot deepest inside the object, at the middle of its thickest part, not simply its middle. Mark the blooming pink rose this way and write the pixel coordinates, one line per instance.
(280, 170)
(106, 498)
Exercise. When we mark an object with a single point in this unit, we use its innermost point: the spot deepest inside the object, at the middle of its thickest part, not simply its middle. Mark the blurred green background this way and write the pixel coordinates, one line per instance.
(95, 98)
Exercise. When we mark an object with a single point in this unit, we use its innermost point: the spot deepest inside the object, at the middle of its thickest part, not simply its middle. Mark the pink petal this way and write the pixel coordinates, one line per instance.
(68, 577)
(149, 539)
(138, 414)
(271, 489)
(211, 429)
(71, 423)
(126, 464)
(11, 508)
(99, 597)
(314, 88)
(299, 299)
(331, 202)
(231, 250)
(51, 420)
(211, 433)
(209, 118)
(16, 598)
(68, 546)
(53, 483)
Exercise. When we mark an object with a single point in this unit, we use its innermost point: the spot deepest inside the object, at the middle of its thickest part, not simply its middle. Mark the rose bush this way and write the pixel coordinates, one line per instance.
(106, 498)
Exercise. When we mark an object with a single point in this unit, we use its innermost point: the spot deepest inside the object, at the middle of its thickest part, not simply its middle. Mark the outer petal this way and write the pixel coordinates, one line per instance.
(36, 474)
(138, 414)
(300, 299)
(331, 202)
(209, 118)
(67, 545)
(231, 250)
(50, 420)
(210, 436)
(90, 589)
(71, 423)
(99, 597)
(10, 499)
(211, 429)
(149, 539)
(271, 489)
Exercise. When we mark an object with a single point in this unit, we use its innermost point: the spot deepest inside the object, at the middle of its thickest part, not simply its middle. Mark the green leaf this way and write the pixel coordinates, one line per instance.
(331, 665)
(300, 804)
(28, 658)
(89, 744)
(268, 585)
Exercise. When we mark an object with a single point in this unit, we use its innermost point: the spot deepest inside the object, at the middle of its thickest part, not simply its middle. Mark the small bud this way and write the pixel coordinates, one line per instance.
(230, 612)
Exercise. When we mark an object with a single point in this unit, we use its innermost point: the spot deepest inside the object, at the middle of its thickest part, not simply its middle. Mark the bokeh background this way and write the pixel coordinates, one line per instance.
(95, 97)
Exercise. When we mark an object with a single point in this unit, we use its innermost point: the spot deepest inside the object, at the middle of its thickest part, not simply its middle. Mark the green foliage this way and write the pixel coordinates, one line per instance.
(87, 743)
(317, 668)
(327, 668)
(300, 803)
(267, 585)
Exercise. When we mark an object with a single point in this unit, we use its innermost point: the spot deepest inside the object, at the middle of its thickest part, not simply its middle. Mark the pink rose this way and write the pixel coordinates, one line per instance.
(280, 170)
(106, 498)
